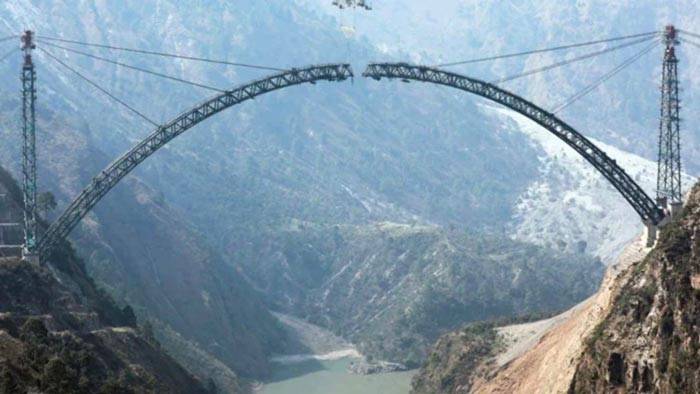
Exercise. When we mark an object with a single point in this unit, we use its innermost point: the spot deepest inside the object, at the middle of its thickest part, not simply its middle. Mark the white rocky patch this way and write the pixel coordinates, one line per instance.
(571, 205)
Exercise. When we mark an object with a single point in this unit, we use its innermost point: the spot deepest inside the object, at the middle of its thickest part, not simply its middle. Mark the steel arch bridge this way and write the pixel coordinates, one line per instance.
(118, 169)
(647, 208)
(110, 176)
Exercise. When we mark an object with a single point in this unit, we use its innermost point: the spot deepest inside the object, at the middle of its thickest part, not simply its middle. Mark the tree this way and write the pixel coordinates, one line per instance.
(148, 334)
(33, 328)
(57, 376)
(46, 202)
(8, 382)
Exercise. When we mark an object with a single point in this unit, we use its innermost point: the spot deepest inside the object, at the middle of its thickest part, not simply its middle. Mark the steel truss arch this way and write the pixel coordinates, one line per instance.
(647, 209)
(118, 169)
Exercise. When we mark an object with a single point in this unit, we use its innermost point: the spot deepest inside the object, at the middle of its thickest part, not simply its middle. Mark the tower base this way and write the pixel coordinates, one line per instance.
(650, 234)
(30, 257)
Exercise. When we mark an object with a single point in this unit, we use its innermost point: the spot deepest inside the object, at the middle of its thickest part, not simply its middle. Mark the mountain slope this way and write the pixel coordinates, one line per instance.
(639, 333)
(128, 243)
(392, 289)
(650, 341)
(348, 154)
(60, 333)
(557, 208)
(535, 357)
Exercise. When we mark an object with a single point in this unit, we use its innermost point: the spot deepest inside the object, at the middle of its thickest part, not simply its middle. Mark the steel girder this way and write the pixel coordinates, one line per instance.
(115, 172)
(649, 211)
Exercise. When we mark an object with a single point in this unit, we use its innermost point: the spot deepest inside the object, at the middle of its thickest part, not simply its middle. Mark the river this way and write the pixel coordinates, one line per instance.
(332, 377)
(320, 365)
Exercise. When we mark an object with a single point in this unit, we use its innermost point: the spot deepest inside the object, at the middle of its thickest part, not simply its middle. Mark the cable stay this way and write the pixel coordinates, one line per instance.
(7, 38)
(687, 41)
(136, 68)
(98, 87)
(569, 61)
(578, 95)
(8, 54)
(690, 33)
(551, 49)
(163, 54)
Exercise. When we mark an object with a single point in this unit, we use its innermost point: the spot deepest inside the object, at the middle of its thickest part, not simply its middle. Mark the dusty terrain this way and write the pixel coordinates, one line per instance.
(525, 364)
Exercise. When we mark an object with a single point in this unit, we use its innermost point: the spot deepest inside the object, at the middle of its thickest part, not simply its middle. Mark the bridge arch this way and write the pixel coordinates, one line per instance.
(118, 169)
(647, 209)
(101, 184)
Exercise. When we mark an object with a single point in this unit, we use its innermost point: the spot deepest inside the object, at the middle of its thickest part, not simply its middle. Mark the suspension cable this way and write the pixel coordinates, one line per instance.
(98, 87)
(569, 61)
(557, 48)
(164, 54)
(690, 33)
(144, 70)
(578, 95)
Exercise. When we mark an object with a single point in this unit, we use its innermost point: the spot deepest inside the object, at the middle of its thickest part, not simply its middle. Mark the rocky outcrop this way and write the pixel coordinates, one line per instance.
(457, 359)
(60, 333)
(638, 333)
(52, 340)
(650, 341)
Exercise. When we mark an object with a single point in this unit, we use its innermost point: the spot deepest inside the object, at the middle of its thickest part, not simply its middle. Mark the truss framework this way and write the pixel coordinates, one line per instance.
(117, 170)
(647, 208)
(28, 78)
(668, 181)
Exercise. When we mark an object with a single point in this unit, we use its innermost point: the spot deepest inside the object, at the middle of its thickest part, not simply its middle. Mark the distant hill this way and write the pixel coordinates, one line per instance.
(392, 288)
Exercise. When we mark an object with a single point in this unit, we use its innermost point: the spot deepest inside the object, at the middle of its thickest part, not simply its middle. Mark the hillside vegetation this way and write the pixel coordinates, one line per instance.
(60, 333)
(392, 289)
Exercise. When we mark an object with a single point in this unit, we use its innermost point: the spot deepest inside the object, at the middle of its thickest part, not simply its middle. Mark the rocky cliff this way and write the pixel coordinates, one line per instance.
(639, 333)
(60, 333)
(650, 341)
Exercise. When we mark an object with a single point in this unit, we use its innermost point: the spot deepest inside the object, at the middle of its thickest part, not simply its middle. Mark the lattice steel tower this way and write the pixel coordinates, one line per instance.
(29, 145)
(668, 181)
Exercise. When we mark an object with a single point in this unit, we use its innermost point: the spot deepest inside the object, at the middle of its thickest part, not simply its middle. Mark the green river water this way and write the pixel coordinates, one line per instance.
(331, 377)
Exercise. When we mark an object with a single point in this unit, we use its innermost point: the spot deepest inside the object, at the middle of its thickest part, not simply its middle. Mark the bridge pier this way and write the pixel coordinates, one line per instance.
(650, 233)
(30, 257)
(671, 211)
(675, 208)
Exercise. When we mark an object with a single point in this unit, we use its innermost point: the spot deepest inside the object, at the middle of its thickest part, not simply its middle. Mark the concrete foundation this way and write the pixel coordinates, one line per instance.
(675, 208)
(672, 210)
(651, 233)
(31, 258)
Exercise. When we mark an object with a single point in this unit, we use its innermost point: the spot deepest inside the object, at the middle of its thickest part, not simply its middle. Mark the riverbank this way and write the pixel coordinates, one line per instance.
(321, 362)
(333, 376)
